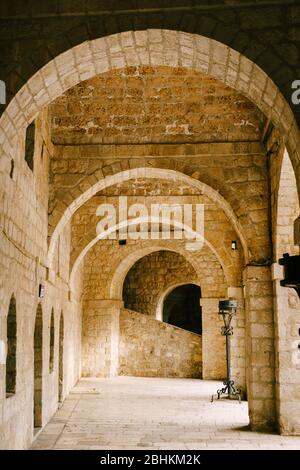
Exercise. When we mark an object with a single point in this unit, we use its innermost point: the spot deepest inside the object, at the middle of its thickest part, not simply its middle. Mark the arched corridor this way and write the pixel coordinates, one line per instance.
(145, 176)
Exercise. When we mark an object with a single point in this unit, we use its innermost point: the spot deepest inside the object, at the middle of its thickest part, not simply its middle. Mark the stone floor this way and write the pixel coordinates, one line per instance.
(148, 413)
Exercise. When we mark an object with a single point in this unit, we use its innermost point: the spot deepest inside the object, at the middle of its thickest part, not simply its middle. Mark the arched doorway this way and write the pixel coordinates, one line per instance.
(148, 346)
(61, 358)
(181, 308)
(38, 369)
(152, 274)
(11, 357)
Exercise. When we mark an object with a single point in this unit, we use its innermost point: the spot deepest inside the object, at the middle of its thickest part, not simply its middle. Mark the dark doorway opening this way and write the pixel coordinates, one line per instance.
(182, 308)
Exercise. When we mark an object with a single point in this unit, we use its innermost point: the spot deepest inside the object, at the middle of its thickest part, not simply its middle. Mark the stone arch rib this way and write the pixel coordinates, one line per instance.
(150, 47)
(145, 173)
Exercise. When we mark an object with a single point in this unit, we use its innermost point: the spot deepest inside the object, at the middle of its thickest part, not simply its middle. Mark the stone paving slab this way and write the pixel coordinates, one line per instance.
(153, 414)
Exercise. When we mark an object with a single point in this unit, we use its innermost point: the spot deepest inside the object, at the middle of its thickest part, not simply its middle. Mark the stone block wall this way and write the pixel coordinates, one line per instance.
(218, 231)
(285, 209)
(263, 26)
(100, 338)
(103, 276)
(151, 276)
(149, 119)
(149, 279)
(286, 304)
(238, 171)
(152, 282)
(260, 351)
(287, 357)
(213, 343)
(147, 104)
(23, 260)
(151, 348)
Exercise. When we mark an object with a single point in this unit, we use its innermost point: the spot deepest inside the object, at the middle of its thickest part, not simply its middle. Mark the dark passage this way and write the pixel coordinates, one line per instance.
(182, 308)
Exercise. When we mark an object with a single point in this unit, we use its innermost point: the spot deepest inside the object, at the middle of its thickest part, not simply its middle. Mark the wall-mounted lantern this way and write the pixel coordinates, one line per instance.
(291, 265)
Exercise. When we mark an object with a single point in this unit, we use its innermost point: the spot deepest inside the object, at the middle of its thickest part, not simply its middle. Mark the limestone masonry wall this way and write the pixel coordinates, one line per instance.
(147, 282)
(213, 130)
(148, 131)
(151, 276)
(147, 104)
(150, 348)
(23, 260)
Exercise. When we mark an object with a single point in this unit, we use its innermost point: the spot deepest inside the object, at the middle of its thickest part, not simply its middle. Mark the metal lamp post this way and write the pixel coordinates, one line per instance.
(228, 308)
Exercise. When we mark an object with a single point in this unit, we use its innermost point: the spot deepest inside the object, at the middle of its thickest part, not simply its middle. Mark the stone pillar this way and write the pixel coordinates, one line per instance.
(238, 351)
(100, 338)
(213, 343)
(260, 347)
(287, 355)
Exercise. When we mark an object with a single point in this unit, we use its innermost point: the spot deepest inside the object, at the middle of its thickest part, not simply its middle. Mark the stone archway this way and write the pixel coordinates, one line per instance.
(121, 271)
(147, 346)
(287, 209)
(163, 295)
(145, 173)
(152, 47)
(153, 273)
(106, 309)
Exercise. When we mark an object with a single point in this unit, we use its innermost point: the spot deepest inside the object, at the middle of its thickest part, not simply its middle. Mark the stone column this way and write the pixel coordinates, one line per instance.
(238, 351)
(260, 347)
(213, 343)
(287, 355)
(100, 338)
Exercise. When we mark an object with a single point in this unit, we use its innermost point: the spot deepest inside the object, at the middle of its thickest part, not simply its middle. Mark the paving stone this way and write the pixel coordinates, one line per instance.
(163, 424)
